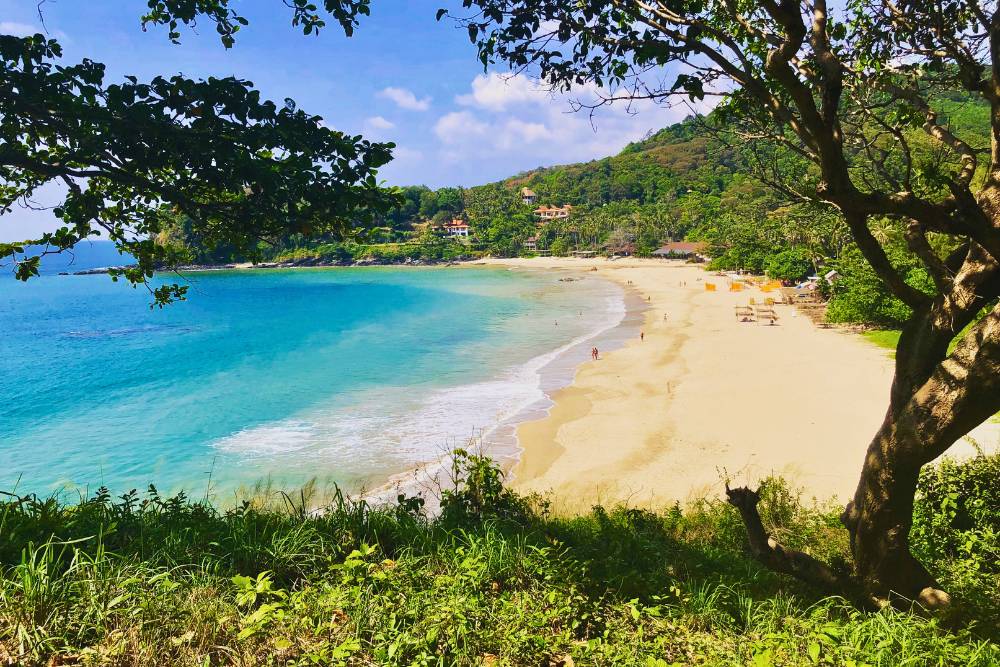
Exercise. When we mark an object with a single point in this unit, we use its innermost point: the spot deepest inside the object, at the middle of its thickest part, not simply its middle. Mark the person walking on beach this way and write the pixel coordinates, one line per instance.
(642, 335)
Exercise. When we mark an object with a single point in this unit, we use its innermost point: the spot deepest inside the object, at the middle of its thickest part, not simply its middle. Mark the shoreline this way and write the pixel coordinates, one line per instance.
(703, 396)
(553, 371)
(664, 420)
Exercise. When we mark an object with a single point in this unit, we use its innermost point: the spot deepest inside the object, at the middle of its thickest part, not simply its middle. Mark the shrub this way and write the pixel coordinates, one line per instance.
(860, 296)
(956, 529)
(143, 580)
(794, 264)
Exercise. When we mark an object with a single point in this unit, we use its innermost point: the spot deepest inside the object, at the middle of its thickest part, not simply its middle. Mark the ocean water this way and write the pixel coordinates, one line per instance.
(343, 375)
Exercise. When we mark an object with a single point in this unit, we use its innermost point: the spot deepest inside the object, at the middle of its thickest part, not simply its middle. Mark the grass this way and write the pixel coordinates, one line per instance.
(887, 338)
(493, 580)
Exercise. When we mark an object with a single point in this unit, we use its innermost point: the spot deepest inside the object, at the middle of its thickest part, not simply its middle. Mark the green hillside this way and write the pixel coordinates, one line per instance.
(681, 183)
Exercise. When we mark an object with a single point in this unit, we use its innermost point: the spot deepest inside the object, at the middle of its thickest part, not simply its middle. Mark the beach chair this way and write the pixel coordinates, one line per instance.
(753, 301)
(736, 287)
(744, 313)
(709, 287)
(766, 313)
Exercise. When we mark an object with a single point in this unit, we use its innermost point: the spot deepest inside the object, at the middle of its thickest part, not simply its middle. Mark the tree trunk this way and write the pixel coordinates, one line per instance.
(932, 405)
(960, 393)
(880, 517)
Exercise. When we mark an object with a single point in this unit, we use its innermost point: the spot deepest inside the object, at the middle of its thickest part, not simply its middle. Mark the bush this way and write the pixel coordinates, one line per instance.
(956, 529)
(860, 296)
(560, 247)
(794, 264)
(143, 580)
(478, 493)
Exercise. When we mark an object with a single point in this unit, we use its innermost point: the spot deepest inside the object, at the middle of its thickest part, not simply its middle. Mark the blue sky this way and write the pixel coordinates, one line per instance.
(403, 77)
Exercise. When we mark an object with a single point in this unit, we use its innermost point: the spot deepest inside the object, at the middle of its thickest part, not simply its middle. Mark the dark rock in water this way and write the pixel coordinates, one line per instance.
(64, 273)
(103, 269)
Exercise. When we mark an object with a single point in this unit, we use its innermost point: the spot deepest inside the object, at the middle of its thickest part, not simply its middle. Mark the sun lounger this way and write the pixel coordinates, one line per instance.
(744, 313)
(765, 313)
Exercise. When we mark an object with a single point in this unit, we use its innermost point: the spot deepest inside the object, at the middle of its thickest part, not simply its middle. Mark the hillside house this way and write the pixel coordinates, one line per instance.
(528, 196)
(531, 244)
(553, 212)
(457, 228)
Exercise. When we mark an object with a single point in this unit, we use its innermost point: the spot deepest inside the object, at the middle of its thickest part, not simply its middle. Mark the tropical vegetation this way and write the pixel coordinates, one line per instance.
(492, 579)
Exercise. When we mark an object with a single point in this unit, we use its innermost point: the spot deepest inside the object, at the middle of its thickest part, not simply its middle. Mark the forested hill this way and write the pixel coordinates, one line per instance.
(679, 183)
(661, 167)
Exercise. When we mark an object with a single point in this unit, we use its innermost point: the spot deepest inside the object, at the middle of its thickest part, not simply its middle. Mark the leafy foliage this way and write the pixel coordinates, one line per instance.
(150, 580)
(131, 156)
(793, 264)
(860, 296)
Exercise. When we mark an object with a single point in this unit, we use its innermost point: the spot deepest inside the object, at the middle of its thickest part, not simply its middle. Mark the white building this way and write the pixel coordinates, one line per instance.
(456, 228)
(553, 212)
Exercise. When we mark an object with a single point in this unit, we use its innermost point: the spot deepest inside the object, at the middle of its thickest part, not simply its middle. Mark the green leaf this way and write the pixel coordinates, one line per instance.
(813, 652)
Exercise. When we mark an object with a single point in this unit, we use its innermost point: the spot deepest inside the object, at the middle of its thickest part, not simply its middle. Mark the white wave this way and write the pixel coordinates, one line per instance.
(398, 428)
(270, 439)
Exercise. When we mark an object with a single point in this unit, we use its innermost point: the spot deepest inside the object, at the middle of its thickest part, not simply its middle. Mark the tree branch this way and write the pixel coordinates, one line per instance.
(876, 256)
(774, 556)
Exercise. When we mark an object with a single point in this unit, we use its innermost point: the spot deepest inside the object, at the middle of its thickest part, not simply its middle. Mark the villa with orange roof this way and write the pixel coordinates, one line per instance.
(457, 228)
(553, 212)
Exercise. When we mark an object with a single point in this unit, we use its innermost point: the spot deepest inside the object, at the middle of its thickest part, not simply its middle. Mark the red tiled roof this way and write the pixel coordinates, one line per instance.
(682, 247)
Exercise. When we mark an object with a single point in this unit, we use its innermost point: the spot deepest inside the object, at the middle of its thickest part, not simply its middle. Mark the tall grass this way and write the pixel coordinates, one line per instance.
(145, 580)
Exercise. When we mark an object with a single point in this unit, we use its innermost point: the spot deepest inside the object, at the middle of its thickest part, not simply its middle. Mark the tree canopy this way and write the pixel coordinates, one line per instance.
(839, 106)
(131, 155)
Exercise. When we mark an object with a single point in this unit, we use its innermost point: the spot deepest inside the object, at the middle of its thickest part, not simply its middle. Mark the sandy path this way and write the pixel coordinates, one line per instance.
(659, 420)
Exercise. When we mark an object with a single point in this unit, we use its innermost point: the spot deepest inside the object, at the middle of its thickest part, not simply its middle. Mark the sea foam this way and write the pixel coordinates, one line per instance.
(384, 433)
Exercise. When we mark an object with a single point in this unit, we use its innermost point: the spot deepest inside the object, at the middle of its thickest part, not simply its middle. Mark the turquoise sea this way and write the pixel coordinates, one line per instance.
(344, 375)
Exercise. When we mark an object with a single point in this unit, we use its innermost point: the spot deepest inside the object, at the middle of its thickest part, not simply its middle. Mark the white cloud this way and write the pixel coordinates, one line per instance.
(405, 99)
(509, 119)
(402, 153)
(379, 123)
(527, 131)
(17, 29)
(26, 30)
(497, 92)
(458, 125)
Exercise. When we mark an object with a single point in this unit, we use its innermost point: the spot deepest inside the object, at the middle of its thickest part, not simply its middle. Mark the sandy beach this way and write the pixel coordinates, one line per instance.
(663, 419)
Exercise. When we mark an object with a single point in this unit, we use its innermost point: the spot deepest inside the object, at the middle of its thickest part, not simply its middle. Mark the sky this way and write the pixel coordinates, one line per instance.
(403, 77)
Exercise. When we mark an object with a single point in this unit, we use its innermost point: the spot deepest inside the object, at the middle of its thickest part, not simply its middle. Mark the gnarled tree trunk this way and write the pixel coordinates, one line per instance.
(932, 406)
(961, 392)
